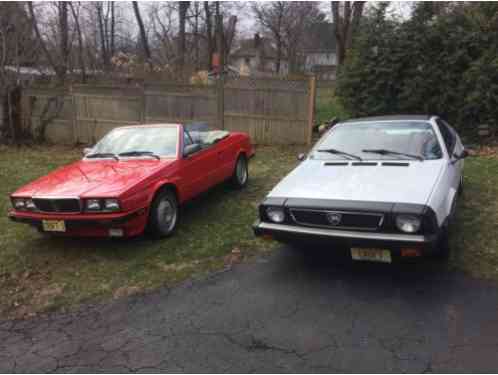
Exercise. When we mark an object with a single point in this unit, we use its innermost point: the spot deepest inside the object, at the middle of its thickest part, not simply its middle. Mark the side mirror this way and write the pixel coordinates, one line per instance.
(463, 155)
(86, 151)
(191, 149)
(301, 156)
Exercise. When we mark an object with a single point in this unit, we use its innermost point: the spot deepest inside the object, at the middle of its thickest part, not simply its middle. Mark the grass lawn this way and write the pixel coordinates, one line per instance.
(41, 273)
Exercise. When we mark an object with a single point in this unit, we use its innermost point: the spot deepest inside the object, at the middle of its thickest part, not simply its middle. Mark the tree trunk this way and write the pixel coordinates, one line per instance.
(209, 35)
(182, 16)
(345, 25)
(219, 37)
(64, 36)
(143, 35)
(113, 22)
(103, 47)
(80, 43)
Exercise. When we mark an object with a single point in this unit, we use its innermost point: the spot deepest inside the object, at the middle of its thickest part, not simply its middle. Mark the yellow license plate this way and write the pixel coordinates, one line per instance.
(371, 255)
(54, 225)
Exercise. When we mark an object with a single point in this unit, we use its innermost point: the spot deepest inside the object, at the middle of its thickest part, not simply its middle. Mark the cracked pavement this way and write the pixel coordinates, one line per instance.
(287, 312)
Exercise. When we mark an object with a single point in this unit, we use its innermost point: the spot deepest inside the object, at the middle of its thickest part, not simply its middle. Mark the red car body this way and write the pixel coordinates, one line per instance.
(133, 181)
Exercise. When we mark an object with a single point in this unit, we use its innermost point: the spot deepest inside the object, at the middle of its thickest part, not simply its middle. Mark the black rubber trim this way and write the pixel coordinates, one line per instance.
(340, 163)
(364, 164)
(429, 218)
(336, 204)
(392, 164)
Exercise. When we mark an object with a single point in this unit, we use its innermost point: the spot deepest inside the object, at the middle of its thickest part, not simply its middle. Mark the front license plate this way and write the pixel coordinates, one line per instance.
(54, 225)
(372, 255)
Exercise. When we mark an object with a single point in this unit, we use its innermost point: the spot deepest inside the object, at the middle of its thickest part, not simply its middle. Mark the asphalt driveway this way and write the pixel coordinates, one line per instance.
(283, 313)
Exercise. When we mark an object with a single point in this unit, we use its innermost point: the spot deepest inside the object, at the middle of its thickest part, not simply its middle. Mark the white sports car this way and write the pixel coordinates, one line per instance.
(383, 186)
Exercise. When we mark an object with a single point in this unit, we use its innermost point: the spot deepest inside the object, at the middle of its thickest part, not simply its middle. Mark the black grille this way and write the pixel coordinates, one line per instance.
(353, 220)
(57, 205)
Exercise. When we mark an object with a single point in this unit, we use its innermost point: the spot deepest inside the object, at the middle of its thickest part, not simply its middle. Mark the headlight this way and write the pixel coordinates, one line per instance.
(93, 205)
(19, 203)
(111, 205)
(408, 223)
(29, 204)
(275, 214)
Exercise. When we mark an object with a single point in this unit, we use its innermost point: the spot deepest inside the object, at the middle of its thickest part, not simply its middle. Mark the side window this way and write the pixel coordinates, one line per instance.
(448, 136)
(186, 139)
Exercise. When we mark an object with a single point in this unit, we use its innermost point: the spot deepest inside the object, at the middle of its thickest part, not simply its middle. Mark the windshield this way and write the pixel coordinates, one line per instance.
(161, 141)
(366, 139)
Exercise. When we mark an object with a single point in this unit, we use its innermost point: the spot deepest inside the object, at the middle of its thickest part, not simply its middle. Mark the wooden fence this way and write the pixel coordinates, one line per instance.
(271, 111)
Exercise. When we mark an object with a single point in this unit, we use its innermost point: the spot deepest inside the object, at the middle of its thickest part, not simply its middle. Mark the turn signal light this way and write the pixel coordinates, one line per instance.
(410, 252)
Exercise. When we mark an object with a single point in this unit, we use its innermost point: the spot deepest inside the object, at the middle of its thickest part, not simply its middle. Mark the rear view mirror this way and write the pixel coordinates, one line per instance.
(87, 150)
(191, 149)
(301, 157)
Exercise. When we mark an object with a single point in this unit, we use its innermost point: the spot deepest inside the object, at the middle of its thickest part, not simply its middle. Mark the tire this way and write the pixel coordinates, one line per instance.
(163, 214)
(241, 173)
(444, 248)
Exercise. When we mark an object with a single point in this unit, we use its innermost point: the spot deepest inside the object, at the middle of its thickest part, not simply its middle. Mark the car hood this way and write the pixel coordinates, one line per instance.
(315, 179)
(93, 178)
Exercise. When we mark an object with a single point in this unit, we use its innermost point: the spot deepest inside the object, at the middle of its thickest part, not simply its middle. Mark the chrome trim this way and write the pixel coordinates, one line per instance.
(381, 220)
(343, 233)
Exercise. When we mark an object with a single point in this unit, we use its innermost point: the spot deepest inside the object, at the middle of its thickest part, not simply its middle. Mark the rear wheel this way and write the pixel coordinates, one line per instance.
(241, 173)
(163, 215)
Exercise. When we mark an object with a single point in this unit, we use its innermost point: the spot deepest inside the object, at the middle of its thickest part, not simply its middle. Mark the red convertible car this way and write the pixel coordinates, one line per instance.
(132, 179)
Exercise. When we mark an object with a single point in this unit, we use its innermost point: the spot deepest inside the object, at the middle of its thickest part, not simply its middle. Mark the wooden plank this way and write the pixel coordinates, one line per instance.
(311, 108)
(265, 117)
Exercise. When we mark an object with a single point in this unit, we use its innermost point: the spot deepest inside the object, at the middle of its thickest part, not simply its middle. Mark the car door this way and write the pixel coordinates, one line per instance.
(226, 152)
(453, 168)
(196, 170)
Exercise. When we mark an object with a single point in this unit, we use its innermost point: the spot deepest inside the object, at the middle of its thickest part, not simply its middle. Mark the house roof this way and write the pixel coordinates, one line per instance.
(247, 48)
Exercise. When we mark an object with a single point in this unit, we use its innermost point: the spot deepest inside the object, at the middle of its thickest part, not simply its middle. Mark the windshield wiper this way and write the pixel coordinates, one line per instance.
(339, 152)
(382, 151)
(140, 153)
(102, 155)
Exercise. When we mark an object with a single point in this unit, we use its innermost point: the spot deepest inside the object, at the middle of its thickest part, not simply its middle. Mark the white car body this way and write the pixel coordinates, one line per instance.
(428, 183)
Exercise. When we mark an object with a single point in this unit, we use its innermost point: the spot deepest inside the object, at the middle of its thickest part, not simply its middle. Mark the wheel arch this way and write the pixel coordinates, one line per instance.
(161, 186)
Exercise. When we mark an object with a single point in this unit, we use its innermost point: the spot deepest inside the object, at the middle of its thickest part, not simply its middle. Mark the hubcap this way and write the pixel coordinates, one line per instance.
(241, 172)
(167, 214)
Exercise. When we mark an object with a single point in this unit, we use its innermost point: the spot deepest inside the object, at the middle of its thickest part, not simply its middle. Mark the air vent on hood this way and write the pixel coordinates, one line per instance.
(338, 163)
(364, 164)
(390, 164)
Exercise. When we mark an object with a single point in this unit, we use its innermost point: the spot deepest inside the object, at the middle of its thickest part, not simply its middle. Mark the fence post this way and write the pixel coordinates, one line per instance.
(311, 108)
(74, 114)
(143, 105)
(220, 99)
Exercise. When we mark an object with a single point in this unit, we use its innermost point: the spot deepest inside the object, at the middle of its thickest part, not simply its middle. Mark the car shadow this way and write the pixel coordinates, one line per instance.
(332, 264)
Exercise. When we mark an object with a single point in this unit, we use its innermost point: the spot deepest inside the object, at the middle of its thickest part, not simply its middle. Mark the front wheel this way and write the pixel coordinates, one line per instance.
(163, 215)
(241, 173)
(444, 248)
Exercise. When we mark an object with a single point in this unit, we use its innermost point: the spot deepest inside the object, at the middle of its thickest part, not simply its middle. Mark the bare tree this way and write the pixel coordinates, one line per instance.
(346, 18)
(211, 44)
(80, 40)
(182, 17)
(17, 46)
(143, 34)
(286, 22)
(271, 17)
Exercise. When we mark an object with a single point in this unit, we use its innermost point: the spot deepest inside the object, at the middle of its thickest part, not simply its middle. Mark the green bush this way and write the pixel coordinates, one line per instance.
(443, 60)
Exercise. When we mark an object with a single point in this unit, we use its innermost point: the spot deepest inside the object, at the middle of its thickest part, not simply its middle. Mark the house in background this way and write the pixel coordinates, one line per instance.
(258, 57)
(319, 52)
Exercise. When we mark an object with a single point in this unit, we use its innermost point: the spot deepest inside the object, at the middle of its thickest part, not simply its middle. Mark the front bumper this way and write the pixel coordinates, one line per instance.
(309, 235)
(87, 225)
